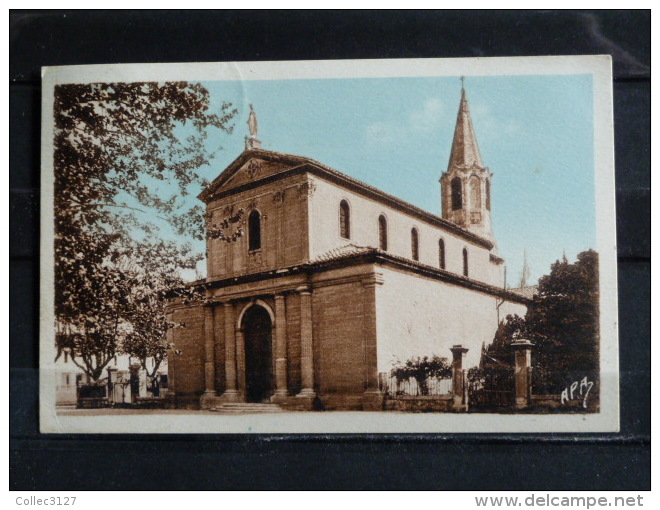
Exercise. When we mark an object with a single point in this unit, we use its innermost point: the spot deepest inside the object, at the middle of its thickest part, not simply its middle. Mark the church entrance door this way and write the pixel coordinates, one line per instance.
(258, 329)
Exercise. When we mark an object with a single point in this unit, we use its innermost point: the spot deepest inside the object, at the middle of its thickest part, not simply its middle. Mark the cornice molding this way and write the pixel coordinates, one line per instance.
(372, 257)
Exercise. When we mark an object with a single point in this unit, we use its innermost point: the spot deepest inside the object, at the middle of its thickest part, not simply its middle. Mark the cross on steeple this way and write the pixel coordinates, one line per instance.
(462, 82)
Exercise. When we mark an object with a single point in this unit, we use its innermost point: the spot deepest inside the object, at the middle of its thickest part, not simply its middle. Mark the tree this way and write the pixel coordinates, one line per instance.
(562, 323)
(89, 304)
(126, 161)
(421, 370)
(492, 380)
(147, 339)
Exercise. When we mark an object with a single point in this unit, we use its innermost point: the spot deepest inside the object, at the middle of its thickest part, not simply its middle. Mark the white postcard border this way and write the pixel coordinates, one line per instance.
(599, 66)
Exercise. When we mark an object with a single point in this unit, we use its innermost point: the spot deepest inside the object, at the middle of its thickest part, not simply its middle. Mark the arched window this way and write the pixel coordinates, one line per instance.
(488, 194)
(382, 232)
(475, 193)
(465, 262)
(441, 253)
(414, 244)
(344, 220)
(254, 231)
(456, 194)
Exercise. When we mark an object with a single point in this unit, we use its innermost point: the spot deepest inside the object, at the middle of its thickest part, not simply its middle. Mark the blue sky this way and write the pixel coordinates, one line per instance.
(535, 134)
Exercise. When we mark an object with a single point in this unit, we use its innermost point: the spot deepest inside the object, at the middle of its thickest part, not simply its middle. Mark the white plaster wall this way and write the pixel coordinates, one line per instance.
(419, 316)
(324, 233)
(509, 308)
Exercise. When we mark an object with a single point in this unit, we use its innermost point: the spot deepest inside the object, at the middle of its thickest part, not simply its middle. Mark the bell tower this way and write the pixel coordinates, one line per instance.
(465, 186)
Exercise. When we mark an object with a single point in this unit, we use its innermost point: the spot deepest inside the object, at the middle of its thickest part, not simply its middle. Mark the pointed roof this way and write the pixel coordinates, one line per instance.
(524, 276)
(464, 148)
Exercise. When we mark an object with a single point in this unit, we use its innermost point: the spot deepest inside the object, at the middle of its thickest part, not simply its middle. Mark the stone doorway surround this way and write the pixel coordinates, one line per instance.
(234, 336)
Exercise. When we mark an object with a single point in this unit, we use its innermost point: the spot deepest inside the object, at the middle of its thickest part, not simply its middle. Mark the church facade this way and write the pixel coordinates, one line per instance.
(317, 282)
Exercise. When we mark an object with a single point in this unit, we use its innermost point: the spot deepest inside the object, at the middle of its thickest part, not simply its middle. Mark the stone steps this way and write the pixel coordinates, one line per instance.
(242, 408)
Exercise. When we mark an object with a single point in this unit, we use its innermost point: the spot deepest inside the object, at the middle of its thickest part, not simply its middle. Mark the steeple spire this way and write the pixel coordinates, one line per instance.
(464, 149)
(466, 185)
(524, 276)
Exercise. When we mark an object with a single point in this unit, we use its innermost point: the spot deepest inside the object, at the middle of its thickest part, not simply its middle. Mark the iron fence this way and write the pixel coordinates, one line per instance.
(491, 386)
(432, 386)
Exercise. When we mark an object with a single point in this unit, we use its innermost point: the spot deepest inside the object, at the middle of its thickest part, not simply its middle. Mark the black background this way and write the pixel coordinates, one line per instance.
(500, 461)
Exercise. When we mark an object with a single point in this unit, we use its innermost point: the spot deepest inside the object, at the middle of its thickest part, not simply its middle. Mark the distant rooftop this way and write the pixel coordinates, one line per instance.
(529, 292)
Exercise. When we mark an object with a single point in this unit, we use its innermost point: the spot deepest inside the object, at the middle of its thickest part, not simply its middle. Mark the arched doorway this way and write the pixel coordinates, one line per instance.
(258, 328)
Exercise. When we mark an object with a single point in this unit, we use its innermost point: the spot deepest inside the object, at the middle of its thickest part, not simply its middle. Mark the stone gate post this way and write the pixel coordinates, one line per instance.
(459, 388)
(523, 372)
(112, 379)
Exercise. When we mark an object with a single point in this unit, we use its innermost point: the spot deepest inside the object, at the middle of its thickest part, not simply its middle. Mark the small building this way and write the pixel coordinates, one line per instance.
(317, 282)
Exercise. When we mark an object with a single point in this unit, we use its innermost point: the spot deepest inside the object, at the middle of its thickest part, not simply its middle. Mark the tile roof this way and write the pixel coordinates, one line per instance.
(341, 252)
(529, 292)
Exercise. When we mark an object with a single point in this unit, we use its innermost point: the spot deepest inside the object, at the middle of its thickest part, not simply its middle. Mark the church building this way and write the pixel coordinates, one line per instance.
(317, 283)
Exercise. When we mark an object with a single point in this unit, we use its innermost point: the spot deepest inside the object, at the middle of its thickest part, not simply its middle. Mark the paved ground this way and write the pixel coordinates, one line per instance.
(127, 412)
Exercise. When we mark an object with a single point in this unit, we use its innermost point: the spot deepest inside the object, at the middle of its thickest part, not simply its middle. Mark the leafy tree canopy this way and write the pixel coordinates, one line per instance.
(562, 323)
(126, 156)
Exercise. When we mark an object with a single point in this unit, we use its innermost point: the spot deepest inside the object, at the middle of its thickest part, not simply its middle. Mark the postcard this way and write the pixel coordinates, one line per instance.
(356, 246)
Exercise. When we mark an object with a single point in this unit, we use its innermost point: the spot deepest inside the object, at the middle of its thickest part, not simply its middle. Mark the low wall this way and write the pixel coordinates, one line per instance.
(420, 404)
(551, 401)
(341, 402)
(186, 401)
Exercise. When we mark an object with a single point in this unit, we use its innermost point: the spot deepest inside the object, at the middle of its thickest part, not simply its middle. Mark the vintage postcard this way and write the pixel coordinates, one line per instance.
(360, 246)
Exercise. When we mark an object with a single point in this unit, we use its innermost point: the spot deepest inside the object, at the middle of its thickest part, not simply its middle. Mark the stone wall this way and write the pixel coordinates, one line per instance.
(187, 369)
(339, 342)
(362, 323)
(419, 404)
(292, 304)
(283, 208)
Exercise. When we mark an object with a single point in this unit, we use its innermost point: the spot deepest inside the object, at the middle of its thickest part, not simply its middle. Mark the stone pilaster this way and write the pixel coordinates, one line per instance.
(278, 200)
(372, 399)
(459, 386)
(209, 352)
(280, 348)
(209, 398)
(523, 353)
(231, 391)
(307, 344)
